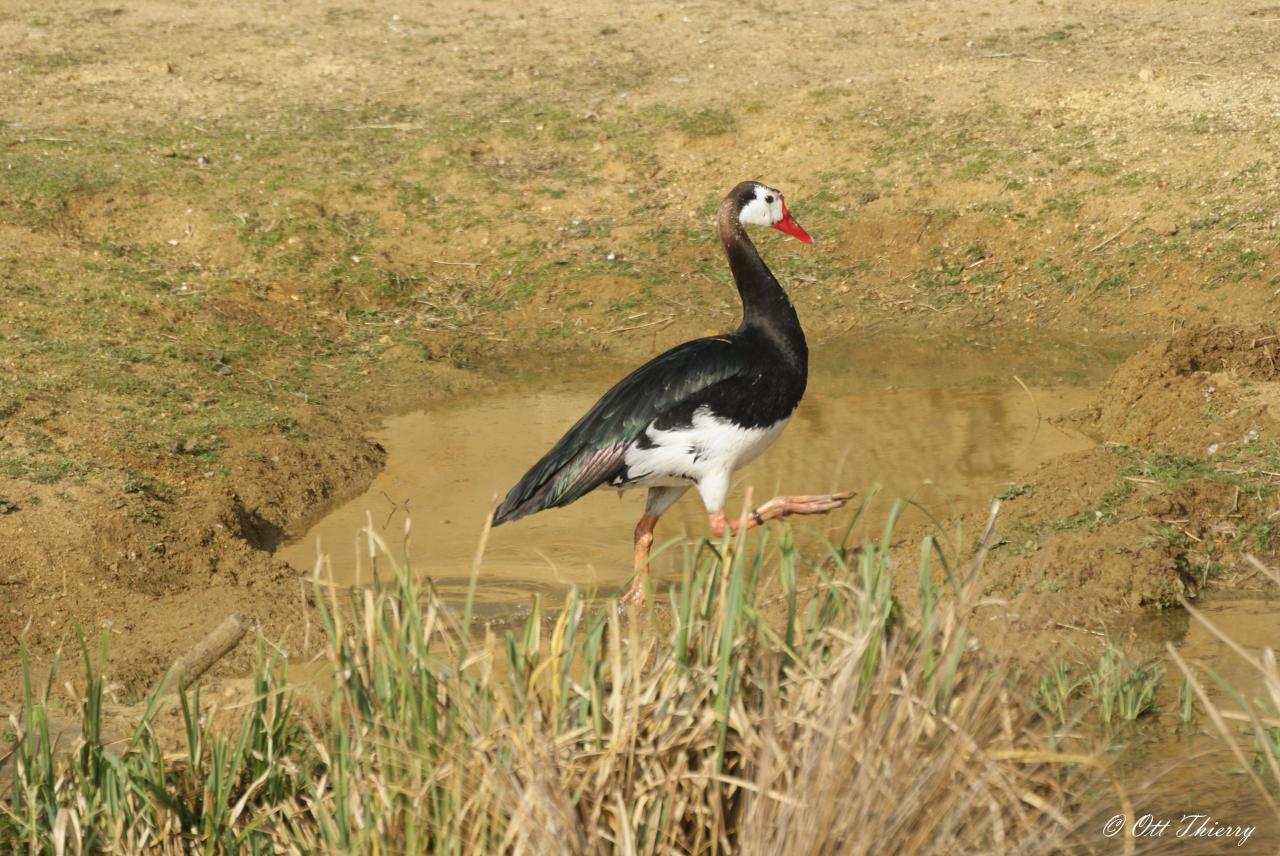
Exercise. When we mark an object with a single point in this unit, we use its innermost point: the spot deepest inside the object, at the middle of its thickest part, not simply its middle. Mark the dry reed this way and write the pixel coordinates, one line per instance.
(725, 721)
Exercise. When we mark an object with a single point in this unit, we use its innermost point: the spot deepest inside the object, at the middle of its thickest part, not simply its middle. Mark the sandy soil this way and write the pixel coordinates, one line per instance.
(233, 235)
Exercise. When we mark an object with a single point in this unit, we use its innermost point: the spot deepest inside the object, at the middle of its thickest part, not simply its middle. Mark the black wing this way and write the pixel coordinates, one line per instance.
(592, 451)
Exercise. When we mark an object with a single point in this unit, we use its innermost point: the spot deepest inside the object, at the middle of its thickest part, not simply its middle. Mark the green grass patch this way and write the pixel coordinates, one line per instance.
(1107, 510)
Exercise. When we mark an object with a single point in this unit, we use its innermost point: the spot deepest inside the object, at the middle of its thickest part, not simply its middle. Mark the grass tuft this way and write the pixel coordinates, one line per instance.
(775, 702)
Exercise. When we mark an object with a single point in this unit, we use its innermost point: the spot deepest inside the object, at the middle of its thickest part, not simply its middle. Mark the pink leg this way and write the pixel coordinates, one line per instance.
(778, 507)
(634, 595)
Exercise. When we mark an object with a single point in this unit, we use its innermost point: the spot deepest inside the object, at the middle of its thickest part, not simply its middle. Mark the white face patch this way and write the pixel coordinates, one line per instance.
(764, 210)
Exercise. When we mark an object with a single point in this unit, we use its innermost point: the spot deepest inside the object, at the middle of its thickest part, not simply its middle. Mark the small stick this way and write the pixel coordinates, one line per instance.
(210, 650)
(1019, 57)
(1039, 418)
(694, 309)
(395, 126)
(458, 264)
(641, 326)
(1106, 241)
(1079, 629)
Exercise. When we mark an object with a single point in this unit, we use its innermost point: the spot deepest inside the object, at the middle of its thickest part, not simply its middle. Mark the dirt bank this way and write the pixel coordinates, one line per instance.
(1180, 490)
(231, 237)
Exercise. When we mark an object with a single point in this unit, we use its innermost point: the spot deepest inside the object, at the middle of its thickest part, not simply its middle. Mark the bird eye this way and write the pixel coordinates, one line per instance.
(769, 199)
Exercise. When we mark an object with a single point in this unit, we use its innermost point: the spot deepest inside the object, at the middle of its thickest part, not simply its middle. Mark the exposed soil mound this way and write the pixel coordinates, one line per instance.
(1206, 387)
(155, 567)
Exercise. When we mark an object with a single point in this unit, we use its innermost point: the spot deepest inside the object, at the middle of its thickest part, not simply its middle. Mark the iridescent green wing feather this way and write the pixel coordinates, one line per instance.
(592, 451)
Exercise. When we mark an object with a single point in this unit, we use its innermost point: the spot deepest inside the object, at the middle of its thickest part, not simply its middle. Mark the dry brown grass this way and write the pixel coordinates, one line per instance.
(816, 722)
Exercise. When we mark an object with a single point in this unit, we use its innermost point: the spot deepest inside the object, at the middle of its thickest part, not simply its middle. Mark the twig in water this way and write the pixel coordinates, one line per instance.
(1034, 404)
(395, 506)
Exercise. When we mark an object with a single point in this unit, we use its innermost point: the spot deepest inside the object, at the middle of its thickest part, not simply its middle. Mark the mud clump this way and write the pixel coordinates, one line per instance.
(1205, 386)
(153, 564)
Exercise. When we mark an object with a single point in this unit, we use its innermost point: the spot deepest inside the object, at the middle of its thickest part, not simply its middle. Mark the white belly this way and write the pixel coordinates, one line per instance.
(705, 454)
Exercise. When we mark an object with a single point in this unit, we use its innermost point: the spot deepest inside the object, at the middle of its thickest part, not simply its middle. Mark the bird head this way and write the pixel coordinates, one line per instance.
(761, 205)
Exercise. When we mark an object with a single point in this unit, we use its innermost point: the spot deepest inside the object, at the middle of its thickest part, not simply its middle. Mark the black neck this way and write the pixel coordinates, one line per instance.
(765, 306)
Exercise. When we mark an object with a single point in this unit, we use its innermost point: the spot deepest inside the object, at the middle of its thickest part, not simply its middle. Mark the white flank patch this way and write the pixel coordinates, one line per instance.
(706, 453)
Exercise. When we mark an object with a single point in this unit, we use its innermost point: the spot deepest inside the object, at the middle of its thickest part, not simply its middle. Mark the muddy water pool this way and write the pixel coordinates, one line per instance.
(948, 423)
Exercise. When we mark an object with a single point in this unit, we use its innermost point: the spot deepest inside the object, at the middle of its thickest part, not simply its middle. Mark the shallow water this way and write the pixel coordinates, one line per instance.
(1248, 619)
(1180, 775)
(947, 423)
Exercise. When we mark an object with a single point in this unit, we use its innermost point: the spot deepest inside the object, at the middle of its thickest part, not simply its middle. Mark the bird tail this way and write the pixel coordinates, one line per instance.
(522, 500)
(559, 479)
